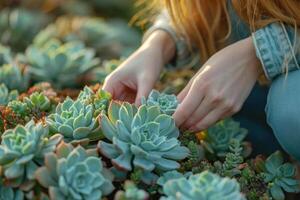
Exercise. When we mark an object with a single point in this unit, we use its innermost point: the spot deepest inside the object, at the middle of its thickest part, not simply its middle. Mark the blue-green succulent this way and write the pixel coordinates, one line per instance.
(14, 77)
(141, 137)
(203, 186)
(74, 173)
(6, 96)
(75, 121)
(5, 55)
(22, 150)
(217, 138)
(280, 176)
(38, 101)
(132, 192)
(167, 103)
(60, 63)
(8, 193)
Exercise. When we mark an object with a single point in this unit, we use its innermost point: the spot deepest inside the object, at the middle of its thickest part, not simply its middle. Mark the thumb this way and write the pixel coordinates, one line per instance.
(143, 91)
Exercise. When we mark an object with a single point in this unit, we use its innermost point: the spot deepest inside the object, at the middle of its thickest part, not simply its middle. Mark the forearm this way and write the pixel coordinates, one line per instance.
(163, 42)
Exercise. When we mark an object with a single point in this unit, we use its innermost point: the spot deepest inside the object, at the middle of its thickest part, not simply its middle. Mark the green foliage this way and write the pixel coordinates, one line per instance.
(74, 120)
(19, 27)
(201, 187)
(166, 103)
(60, 64)
(233, 159)
(141, 137)
(74, 173)
(38, 102)
(280, 176)
(22, 150)
(131, 193)
(6, 96)
(14, 77)
(8, 193)
(218, 137)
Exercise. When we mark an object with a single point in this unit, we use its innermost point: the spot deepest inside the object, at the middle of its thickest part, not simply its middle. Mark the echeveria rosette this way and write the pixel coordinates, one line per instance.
(60, 63)
(75, 121)
(203, 186)
(141, 138)
(132, 192)
(280, 176)
(6, 96)
(217, 138)
(74, 173)
(22, 150)
(167, 103)
(38, 102)
(8, 193)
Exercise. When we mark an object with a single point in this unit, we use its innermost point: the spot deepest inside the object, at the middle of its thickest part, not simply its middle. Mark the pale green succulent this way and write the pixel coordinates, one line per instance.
(8, 193)
(218, 138)
(19, 27)
(74, 173)
(74, 120)
(6, 96)
(14, 77)
(38, 101)
(280, 176)
(22, 150)
(100, 73)
(60, 64)
(132, 192)
(5, 55)
(203, 186)
(167, 103)
(141, 137)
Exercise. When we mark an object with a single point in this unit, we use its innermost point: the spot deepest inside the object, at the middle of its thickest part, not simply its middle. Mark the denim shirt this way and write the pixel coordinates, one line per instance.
(277, 45)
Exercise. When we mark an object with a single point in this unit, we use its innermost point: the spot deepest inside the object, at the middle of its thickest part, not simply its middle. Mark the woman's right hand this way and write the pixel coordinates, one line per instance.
(137, 75)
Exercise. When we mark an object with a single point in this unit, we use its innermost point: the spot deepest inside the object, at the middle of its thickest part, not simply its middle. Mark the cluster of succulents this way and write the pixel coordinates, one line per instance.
(60, 63)
(141, 137)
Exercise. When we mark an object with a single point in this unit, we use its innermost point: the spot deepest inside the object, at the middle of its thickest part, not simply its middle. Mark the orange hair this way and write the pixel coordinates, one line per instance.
(207, 22)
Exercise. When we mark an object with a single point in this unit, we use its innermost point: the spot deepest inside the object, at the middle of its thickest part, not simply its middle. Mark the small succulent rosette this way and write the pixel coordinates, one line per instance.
(142, 138)
(75, 173)
(166, 103)
(205, 185)
(131, 192)
(75, 121)
(22, 151)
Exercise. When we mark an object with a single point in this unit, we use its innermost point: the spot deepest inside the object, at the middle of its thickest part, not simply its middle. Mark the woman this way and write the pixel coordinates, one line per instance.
(237, 42)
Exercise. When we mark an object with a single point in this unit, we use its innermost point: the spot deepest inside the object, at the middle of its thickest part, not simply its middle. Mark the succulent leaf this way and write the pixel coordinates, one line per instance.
(8, 193)
(203, 186)
(74, 173)
(6, 96)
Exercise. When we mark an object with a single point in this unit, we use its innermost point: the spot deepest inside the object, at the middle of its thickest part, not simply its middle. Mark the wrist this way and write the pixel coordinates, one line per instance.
(162, 42)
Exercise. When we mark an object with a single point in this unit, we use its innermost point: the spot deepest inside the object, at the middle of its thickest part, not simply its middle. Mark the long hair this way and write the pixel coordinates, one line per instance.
(207, 22)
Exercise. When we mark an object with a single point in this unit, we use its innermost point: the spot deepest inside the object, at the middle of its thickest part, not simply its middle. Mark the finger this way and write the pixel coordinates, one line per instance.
(184, 92)
(143, 91)
(204, 109)
(189, 104)
(209, 120)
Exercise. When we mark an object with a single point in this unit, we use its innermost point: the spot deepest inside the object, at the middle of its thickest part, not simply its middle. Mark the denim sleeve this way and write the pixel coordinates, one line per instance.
(184, 56)
(277, 47)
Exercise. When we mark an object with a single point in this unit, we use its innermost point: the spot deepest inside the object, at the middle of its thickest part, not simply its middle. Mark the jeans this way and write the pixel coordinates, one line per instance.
(272, 116)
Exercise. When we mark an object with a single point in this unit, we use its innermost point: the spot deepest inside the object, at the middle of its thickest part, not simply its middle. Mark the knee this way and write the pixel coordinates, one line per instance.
(283, 113)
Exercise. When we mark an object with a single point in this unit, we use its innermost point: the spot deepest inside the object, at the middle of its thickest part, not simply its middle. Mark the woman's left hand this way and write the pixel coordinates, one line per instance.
(220, 87)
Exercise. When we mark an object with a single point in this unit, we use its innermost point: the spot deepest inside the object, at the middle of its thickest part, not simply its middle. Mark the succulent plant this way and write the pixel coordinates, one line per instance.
(14, 77)
(131, 193)
(19, 26)
(6, 96)
(5, 55)
(19, 108)
(141, 137)
(280, 176)
(74, 173)
(203, 186)
(74, 120)
(38, 101)
(217, 138)
(108, 66)
(22, 150)
(170, 175)
(167, 103)
(58, 63)
(8, 193)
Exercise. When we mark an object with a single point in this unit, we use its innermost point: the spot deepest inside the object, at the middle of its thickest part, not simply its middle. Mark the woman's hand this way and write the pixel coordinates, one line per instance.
(136, 77)
(220, 87)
